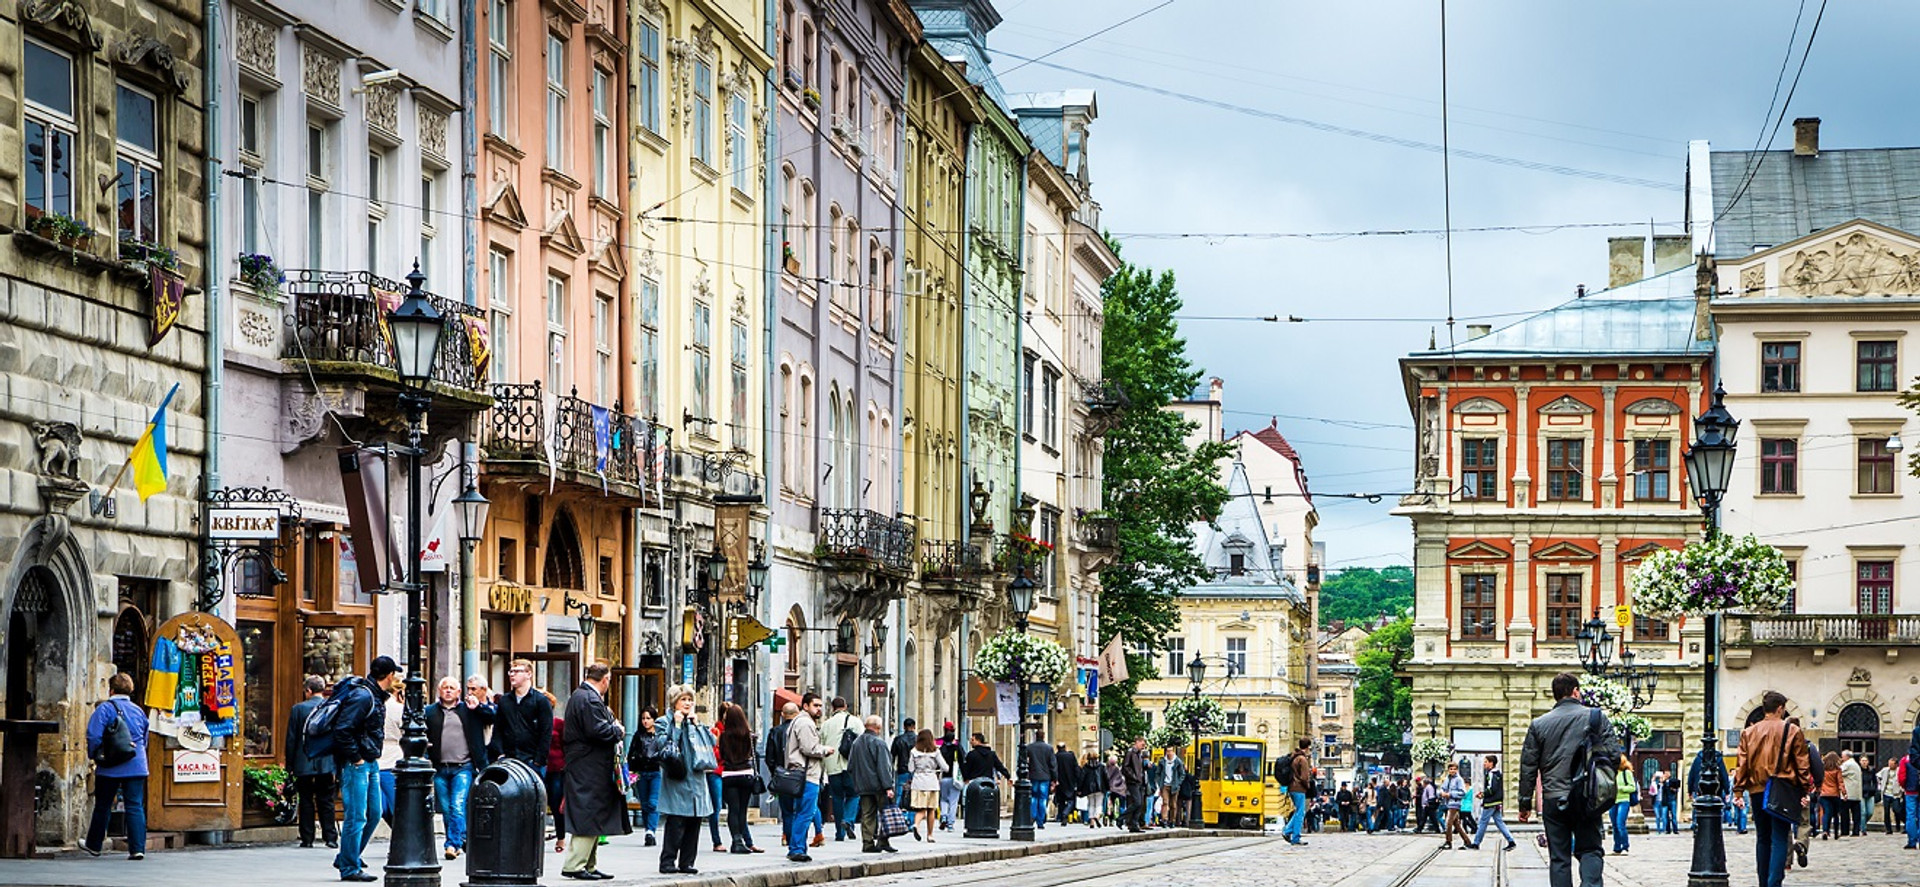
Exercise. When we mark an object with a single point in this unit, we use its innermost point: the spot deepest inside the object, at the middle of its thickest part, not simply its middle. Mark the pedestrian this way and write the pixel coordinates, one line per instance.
(1662, 808)
(522, 720)
(1154, 810)
(1737, 811)
(1430, 806)
(595, 805)
(1173, 775)
(1553, 742)
(981, 760)
(924, 771)
(1116, 790)
(950, 752)
(775, 754)
(1066, 782)
(1909, 782)
(870, 774)
(1831, 789)
(1343, 800)
(557, 775)
(1852, 781)
(645, 769)
(714, 788)
(838, 731)
(1893, 802)
(737, 771)
(902, 750)
(1696, 774)
(457, 748)
(1383, 803)
(314, 782)
(1869, 793)
(805, 751)
(359, 732)
(1299, 781)
(117, 745)
(1402, 799)
(1134, 769)
(1093, 789)
(1451, 793)
(1772, 750)
(1492, 801)
(1039, 762)
(1626, 796)
(394, 707)
(686, 755)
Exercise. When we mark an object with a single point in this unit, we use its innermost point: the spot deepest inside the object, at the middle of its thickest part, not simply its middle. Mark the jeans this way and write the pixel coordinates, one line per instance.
(1737, 817)
(647, 790)
(713, 793)
(1618, 818)
(556, 790)
(1570, 841)
(1292, 830)
(360, 799)
(846, 805)
(950, 800)
(1663, 819)
(450, 785)
(1399, 818)
(1039, 806)
(1913, 820)
(386, 796)
(1063, 802)
(1770, 845)
(316, 794)
(900, 795)
(132, 790)
(805, 812)
(1492, 814)
(736, 790)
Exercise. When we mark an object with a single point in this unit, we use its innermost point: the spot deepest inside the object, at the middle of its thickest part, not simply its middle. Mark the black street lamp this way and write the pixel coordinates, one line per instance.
(1595, 644)
(416, 326)
(1709, 472)
(1196, 677)
(1020, 602)
(1433, 732)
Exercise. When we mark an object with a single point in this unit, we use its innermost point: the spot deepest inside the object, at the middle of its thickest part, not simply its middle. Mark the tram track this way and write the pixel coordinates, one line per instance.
(1124, 863)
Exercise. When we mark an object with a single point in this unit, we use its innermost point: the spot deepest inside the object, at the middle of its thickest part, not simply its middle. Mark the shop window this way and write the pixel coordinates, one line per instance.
(330, 651)
(256, 653)
(509, 568)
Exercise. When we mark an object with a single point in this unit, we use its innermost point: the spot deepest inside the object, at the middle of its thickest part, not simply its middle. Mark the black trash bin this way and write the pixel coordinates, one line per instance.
(506, 827)
(980, 808)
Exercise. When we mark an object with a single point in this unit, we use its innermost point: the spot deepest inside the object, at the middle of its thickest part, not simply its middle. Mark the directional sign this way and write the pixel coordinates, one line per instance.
(745, 631)
(980, 698)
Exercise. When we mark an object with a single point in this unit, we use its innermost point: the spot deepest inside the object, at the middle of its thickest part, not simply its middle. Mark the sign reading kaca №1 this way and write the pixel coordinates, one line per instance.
(251, 524)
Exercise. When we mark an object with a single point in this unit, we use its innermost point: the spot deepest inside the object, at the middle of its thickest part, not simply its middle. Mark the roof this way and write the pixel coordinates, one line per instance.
(1239, 531)
(1277, 442)
(1791, 197)
(1651, 316)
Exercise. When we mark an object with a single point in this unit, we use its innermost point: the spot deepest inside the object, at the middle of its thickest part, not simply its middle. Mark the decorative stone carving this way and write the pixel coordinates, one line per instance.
(1855, 265)
(383, 109)
(1860, 677)
(256, 328)
(256, 44)
(305, 410)
(144, 51)
(1753, 280)
(1566, 405)
(59, 446)
(433, 133)
(70, 15)
(1479, 406)
(1653, 406)
(320, 75)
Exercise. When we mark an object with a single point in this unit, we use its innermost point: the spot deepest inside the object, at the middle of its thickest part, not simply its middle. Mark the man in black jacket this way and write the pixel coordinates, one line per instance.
(523, 720)
(902, 750)
(457, 748)
(870, 775)
(1553, 742)
(359, 728)
(313, 778)
(1066, 781)
(1133, 768)
(1344, 800)
(1039, 756)
(981, 761)
(1493, 795)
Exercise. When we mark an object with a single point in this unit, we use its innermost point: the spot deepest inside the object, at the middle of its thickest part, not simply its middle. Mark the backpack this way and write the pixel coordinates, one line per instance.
(317, 733)
(116, 740)
(847, 736)
(1593, 780)
(1283, 771)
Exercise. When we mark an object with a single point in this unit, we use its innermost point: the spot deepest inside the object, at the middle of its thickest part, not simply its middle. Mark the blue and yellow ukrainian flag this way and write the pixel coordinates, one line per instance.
(150, 452)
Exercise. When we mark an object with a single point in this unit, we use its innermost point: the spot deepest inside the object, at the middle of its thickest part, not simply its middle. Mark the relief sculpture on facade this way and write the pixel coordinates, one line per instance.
(1856, 265)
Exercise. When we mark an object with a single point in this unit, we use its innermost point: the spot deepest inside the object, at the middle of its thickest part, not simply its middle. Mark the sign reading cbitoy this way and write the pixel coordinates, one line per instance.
(256, 524)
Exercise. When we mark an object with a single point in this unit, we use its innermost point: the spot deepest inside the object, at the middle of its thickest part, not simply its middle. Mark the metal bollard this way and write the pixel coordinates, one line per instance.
(506, 827)
(980, 808)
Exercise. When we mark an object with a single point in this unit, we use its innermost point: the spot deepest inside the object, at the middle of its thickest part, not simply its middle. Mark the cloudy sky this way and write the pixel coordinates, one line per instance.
(1325, 99)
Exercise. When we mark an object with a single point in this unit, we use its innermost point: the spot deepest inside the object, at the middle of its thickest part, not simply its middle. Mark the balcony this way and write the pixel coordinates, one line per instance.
(866, 558)
(1813, 630)
(1098, 536)
(340, 332)
(591, 446)
(945, 566)
(1104, 401)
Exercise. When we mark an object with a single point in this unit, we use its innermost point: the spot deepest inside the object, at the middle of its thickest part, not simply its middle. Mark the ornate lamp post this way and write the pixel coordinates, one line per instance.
(1433, 732)
(1709, 472)
(1196, 678)
(416, 326)
(1020, 603)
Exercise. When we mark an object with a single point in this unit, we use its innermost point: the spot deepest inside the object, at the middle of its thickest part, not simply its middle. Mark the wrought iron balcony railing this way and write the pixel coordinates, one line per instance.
(1101, 395)
(1099, 532)
(863, 533)
(952, 561)
(1814, 630)
(341, 317)
(588, 439)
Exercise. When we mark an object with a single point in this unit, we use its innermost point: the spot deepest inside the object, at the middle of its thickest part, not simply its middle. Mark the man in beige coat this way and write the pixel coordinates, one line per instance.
(804, 749)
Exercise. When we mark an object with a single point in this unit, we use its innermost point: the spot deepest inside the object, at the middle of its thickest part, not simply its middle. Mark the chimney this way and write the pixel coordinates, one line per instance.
(1806, 137)
(1214, 385)
(1579, 290)
(1477, 330)
(1626, 260)
(1672, 252)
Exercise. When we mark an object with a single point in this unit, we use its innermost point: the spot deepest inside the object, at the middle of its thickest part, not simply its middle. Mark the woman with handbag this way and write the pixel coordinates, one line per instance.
(740, 775)
(925, 768)
(1093, 789)
(686, 757)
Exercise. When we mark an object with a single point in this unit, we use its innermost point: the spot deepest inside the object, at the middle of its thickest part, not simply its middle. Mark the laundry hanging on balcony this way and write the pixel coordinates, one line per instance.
(603, 443)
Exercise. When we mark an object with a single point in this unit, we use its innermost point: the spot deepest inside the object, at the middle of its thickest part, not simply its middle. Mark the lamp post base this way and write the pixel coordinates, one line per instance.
(1022, 811)
(1709, 868)
(411, 861)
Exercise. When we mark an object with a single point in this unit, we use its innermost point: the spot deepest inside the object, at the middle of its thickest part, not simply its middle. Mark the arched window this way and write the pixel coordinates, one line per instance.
(787, 444)
(789, 195)
(803, 250)
(808, 75)
(1859, 728)
(850, 446)
(834, 454)
(884, 446)
(564, 567)
(796, 646)
(803, 435)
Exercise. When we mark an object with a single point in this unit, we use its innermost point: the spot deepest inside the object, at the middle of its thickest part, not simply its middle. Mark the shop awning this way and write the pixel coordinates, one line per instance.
(782, 696)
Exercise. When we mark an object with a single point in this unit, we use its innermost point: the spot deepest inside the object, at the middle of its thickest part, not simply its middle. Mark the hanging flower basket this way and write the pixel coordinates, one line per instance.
(1635, 726)
(1432, 748)
(1168, 736)
(1722, 573)
(1183, 712)
(1040, 660)
(1609, 696)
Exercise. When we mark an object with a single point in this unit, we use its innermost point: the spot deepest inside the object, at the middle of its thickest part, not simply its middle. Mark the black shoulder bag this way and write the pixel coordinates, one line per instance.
(1783, 797)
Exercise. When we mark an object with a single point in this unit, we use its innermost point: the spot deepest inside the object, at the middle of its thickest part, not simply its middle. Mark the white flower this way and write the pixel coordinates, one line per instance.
(1039, 660)
(1182, 711)
(1432, 748)
(1716, 575)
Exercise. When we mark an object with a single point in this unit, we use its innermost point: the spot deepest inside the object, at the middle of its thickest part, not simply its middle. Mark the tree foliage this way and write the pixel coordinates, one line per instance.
(1156, 485)
(1382, 702)
(1363, 594)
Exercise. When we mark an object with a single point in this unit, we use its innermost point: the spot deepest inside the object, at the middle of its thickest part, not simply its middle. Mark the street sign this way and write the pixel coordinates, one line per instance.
(745, 631)
(250, 524)
(877, 688)
(686, 668)
(980, 698)
(1623, 615)
(1039, 697)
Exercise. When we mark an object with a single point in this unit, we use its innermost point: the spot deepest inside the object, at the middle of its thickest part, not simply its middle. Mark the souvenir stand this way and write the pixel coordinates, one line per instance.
(194, 700)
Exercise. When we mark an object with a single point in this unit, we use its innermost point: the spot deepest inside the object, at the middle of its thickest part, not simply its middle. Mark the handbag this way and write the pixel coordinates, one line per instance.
(787, 782)
(1783, 797)
(674, 763)
(699, 756)
(893, 822)
(116, 740)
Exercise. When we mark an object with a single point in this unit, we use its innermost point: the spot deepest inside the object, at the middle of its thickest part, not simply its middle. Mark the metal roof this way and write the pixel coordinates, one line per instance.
(1791, 197)
(1652, 316)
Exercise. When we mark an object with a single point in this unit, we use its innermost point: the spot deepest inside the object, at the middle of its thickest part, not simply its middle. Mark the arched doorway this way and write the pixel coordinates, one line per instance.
(1858, 729)
(48, 653)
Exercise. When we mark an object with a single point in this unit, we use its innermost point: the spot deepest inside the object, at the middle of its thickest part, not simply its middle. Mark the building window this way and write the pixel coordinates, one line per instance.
(429, 219)
(1048, 532)
(1876, 466)
(603, 350)
(1236, 723)
(556, 334)
(1050, 406)
(804, 472)
(1877, 365)
(649, 405)
(1564, 463)
(648, 86)
(319, 164)
(137, 162)
(1874, 587)
(1176, 657)
(1236, 656)
(1237, 564)
(1647, 628)
(1026, 394)
(785, 427)
(703, 111)
(1779, 465)
(702, 362)
(1330, 746)
(1779, 366)
(500, 314)
(1330, 705)
(808, 53)
(1477, 604)
(47, 148)
(1652, 470)
(851, 285)
(1563, 606)
(1480, 467)
(602, 135)
(1793, 589)
(556, 103)
(255, 139)
(737, 143)
(376, 207)
(737, 385)
(499, 67)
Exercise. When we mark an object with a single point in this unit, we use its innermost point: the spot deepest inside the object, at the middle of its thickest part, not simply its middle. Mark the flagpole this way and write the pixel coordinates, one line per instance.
(100, 504)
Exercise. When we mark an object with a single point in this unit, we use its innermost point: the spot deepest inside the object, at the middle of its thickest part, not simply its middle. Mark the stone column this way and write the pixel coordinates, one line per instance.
(1520, 618)
(1523, 426)
(1604, 440)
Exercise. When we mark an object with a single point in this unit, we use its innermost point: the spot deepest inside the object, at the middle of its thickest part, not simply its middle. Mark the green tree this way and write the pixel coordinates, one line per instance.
(1383, 703)
(1156, 485)
(1362, 594)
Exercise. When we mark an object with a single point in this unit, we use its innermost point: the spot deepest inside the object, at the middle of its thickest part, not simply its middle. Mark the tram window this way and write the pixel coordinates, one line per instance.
(1241, 761)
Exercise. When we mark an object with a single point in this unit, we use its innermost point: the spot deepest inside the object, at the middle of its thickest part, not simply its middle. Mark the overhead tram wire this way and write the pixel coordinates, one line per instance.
(1753, 170)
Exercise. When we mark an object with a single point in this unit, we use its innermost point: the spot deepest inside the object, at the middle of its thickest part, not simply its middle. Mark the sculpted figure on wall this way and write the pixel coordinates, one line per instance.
(1856, 265)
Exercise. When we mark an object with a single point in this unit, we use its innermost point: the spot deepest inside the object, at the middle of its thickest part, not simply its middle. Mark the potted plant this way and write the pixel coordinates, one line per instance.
(812, 97)
(793, 78)
(258, 270)
(62, 229)
(270, 789)
(1721, 573)
(146, 255)
(1184, 710)
(1168, 735)
(1039, 660)
(787, 256)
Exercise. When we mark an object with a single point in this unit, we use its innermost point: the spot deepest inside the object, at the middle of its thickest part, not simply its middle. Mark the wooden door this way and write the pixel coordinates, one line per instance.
(215, 805)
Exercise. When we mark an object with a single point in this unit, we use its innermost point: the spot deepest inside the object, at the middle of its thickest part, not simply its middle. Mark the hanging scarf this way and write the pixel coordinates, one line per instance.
(220, 683)
(163, 676)
(188, 704)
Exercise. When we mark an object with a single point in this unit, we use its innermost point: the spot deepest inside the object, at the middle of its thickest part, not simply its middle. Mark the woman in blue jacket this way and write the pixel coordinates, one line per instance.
(127, 778)
(684, 800)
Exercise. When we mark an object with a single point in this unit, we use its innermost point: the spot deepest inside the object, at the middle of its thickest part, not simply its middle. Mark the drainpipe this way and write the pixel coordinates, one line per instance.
(214, 264)
(763, 699)
(966, 439)
(469, 230)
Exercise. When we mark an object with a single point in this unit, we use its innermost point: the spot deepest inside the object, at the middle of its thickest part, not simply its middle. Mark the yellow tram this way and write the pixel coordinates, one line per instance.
(1231, 770)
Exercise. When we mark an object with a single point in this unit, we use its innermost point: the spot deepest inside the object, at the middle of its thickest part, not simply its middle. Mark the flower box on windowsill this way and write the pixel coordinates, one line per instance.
(34, 244)
(812, 97)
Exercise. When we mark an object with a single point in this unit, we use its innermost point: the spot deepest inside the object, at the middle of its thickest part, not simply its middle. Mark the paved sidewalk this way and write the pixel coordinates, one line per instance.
(626, 858)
